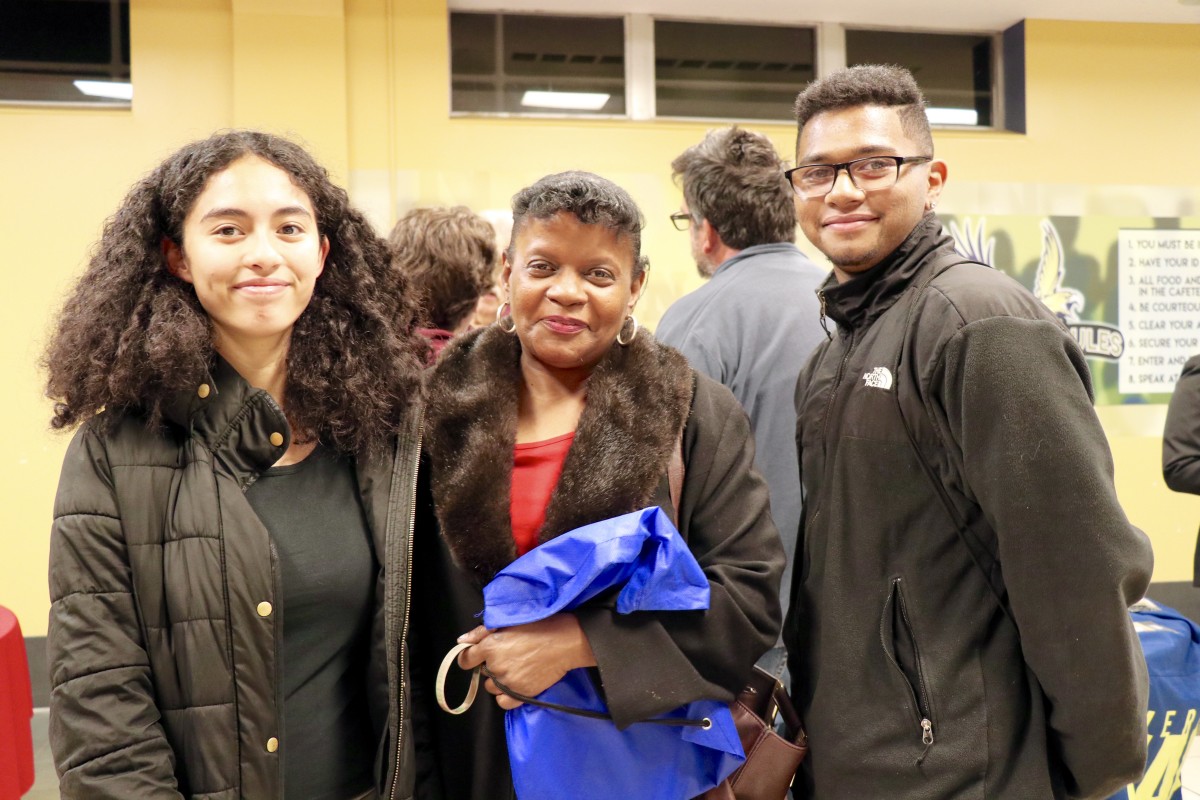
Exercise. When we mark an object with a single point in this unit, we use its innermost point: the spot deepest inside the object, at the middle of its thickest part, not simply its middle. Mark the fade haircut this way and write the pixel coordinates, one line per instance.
(592, 199)
(734, 179)
(448, 255)
(868, 85)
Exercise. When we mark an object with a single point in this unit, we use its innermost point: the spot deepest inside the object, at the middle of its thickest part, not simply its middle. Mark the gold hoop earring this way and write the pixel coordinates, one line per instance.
(502, 313)
(632, 334)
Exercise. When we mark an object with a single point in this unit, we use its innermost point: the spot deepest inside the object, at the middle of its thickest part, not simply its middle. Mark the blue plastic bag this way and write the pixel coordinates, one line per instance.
(1171, 643)
(554, 754)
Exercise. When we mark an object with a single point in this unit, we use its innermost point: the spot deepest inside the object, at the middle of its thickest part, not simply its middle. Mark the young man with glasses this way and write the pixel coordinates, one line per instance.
(752, 326)
(958, 623)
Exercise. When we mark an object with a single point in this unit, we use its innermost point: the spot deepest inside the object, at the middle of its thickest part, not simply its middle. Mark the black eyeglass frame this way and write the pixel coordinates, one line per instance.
(685, 218)
(845, 165)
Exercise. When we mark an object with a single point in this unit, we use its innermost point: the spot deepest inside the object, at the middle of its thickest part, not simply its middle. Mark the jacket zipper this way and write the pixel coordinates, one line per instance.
(824, 327)
(412, 524)
(837, 382)
(920, 693)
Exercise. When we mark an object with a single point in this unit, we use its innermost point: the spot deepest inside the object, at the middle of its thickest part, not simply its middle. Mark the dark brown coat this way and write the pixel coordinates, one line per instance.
(639, 398)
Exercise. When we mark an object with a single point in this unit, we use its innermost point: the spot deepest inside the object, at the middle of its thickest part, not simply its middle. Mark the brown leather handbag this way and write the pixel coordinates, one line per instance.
(771, 759)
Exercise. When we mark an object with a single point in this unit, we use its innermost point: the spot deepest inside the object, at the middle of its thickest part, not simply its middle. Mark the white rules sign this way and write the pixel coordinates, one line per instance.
(1159, 306)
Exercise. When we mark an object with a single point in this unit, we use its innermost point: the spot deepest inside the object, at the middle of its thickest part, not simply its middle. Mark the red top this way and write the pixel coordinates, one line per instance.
(536, 467)
(437, 339)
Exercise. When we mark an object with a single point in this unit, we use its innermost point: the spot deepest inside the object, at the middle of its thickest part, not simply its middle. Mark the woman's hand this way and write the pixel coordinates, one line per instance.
(528, 658)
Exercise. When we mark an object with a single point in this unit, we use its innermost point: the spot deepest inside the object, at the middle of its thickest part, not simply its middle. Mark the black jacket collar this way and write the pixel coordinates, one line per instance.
(859, 301)
(233, 420)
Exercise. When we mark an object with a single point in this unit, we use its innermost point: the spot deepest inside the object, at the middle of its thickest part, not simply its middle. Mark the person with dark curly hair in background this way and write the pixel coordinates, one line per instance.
(448, 256)
(229, 555)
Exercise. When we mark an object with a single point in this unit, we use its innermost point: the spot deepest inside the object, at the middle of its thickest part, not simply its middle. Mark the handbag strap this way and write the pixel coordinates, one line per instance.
(439, 686)
(479, 671)
(675, 466)
(791, 718)
(942, 264)
(675, 472)
(763, 684)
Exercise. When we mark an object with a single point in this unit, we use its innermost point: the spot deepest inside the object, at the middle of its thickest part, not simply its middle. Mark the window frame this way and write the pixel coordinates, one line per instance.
(816, 29)
(113, 71)
(997, 67)
(829, 55)
(564, 114)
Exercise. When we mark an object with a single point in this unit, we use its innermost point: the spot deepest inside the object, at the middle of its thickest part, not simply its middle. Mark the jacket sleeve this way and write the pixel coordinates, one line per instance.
(1016, 395)
(653, 662)
(1181, 435)
(105, 731)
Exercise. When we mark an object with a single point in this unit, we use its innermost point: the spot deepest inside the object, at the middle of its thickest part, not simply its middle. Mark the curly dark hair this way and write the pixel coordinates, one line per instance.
(734, 179)
(592, 199)
(448, 255)
(132, 335)
(868, 85)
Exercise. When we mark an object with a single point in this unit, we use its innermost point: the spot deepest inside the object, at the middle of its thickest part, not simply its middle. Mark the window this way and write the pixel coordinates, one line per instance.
(705, 69)
(955, 71)
(531, 64)
(65, 51)
(645, 68)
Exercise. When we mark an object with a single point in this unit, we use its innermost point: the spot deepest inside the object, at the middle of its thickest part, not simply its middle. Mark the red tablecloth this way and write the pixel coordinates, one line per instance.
(16, 710)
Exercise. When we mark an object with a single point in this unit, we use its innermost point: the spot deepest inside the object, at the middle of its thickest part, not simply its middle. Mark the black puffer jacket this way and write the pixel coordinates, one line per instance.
(163, 645)
(913, 682)
(1181, 440)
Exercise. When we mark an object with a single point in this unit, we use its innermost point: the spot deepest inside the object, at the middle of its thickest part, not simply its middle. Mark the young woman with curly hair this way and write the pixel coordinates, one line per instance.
(230, 554)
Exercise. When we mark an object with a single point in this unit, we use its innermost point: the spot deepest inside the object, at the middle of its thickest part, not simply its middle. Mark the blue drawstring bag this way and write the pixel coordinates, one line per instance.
(1171, 643)
(555, 754)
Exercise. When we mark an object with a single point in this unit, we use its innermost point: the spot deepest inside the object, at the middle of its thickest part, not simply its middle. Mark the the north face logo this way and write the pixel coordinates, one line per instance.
(878, 378)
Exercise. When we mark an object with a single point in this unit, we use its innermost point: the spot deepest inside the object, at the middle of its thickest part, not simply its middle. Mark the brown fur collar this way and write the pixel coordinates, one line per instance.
(638, 400)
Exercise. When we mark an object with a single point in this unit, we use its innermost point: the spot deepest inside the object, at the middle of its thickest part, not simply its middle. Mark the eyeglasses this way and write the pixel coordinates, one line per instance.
(868, 174)
(682, 220)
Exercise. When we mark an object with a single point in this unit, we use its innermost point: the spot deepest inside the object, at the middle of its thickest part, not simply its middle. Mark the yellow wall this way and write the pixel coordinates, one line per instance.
(365, 84)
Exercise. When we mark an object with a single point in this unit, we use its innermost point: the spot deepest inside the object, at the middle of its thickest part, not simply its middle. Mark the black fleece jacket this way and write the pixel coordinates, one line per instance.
(912, 680)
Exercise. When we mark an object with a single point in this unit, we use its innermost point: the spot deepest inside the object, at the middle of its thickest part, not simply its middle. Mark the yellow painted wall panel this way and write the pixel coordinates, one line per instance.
(289, 75)
(366, 84)
(64, 171)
